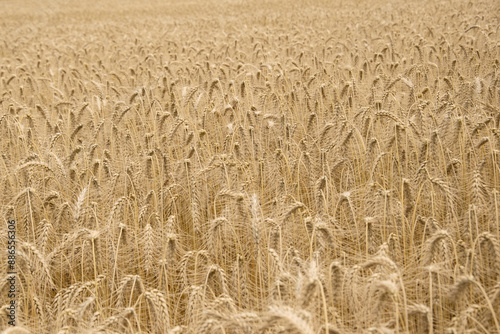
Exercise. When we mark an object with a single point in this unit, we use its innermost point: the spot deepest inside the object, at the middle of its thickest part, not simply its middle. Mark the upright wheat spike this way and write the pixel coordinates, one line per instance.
(287, 317)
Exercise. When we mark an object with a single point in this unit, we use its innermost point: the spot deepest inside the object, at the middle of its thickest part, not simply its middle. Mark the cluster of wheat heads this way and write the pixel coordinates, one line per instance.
(253, 167)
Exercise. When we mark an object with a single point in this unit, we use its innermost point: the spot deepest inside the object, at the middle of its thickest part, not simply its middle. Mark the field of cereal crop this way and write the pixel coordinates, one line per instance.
(249, 166)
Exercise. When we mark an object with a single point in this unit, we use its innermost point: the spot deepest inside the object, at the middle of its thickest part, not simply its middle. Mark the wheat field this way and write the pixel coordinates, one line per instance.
(250, 166)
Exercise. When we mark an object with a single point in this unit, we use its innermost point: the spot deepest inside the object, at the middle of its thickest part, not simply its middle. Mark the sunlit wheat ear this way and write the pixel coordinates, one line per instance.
(480, 194)
(224, 303)
(72, 294)
(495, 295)
(193, 262)
(240, 289)
(255, 220)
(174, 129)
(196, 304)
(320, 231)
(149, 246)
(461, 321)
(298, 264)
(332, 329)
(67, 318)
(336, 272)
(25, 201)
(216, 280)
(291, 210)
(382, 261)
(274, 233)
(46, 237)
(276, 259)
(282, 287)
(40, 309)
(159, 307)
(17, 330)
(287, 317)
(324, 132)
(215, 231)
(79, 205)
(65, 330)
(438, 248)
(36, 262)
(120, 322)
(129, 289)
(178, 330)
(346, 197)
(421, 314)
(210, 325)
(85, 308)
(171, 245)
(386, 291)
(460, 287)
(245, 321)
(184, 265)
